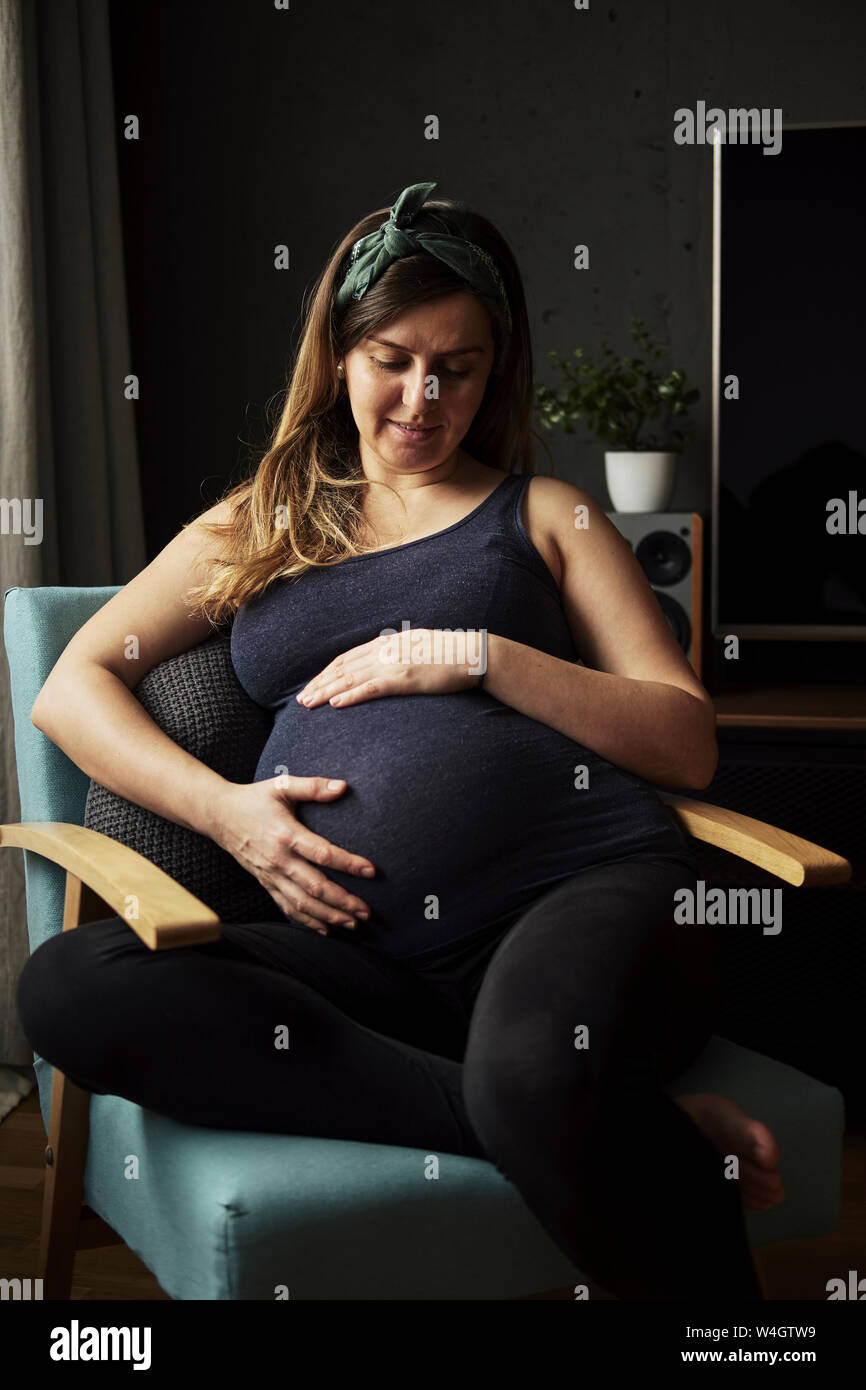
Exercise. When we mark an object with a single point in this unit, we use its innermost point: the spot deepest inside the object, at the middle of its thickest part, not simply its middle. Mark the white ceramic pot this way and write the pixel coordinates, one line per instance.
(640, 482)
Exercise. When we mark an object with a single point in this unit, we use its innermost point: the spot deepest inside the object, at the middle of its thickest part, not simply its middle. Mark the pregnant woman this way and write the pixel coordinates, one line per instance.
(474, 940)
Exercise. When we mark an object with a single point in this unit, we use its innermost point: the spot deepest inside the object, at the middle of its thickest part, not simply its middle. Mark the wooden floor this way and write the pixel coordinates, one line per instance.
(791, 1269)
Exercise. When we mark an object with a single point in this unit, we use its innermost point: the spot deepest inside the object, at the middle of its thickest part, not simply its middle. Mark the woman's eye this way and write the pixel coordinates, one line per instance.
(398, 367)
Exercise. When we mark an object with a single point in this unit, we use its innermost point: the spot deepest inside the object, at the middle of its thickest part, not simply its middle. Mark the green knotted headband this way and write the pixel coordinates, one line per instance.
(372, 255)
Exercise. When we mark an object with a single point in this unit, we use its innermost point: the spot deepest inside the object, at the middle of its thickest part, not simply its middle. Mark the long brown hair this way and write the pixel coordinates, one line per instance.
(311, 476)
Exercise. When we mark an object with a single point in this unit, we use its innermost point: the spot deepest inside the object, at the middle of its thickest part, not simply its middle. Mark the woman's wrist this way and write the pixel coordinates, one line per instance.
(204, 799)
(489, 643)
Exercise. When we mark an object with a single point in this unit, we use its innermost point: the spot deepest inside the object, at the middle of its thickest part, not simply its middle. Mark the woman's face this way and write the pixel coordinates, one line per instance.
(427, 367)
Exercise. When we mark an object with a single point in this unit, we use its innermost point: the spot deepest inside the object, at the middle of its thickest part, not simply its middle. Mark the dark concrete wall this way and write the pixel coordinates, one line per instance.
(261, 126)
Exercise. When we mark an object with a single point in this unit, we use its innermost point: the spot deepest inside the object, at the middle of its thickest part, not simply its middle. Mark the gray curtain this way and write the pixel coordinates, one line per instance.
(67, 432)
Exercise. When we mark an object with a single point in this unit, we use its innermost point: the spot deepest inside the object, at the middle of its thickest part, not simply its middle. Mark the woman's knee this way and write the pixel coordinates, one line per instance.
(69, 988)
(532, 1091)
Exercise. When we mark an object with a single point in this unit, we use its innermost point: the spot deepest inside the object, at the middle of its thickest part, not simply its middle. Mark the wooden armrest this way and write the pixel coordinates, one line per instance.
(778, 851)
(168, 914)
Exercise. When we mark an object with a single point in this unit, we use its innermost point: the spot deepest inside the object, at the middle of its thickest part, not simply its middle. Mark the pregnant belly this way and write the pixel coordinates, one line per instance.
(468, 809)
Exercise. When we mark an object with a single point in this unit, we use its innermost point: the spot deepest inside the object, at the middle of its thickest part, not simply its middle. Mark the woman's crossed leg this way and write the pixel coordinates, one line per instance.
(594, 1000)
(271, 1028)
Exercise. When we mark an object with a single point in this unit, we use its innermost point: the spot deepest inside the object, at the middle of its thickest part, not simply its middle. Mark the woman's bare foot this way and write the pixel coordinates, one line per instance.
(732, 1131)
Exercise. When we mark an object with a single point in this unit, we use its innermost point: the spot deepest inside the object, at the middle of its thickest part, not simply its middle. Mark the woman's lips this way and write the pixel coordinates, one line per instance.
(409, 432)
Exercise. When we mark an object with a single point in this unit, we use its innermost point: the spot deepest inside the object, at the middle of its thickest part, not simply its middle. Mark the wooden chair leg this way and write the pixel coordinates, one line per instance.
(65, 1157)
(67, 1225)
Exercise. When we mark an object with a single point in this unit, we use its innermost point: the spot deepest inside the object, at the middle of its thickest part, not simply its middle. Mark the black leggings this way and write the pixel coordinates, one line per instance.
(481, 1059)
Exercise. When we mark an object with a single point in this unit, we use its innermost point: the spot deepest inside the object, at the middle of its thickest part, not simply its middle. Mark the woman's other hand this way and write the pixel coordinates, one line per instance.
(256, 823)
(416, 661)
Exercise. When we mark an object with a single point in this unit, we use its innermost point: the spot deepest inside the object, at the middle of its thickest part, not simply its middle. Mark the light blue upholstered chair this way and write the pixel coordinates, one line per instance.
(219, 1214)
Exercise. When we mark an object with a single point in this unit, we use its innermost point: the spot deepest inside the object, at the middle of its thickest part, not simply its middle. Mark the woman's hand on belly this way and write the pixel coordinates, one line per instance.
(416, 661)
(256, 823)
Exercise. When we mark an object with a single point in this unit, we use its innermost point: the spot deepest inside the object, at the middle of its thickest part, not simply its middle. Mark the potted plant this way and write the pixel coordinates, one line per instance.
(618, 397)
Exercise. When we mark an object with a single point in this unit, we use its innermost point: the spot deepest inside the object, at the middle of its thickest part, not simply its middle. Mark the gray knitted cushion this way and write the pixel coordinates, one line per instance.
(197, 700)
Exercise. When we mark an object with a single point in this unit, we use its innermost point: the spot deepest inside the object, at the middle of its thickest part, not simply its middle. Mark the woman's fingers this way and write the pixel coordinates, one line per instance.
(311, 910)
(316, 848)
(313, 898)
(321, 853)
(320, 894)
(295, 874)
(349, 663)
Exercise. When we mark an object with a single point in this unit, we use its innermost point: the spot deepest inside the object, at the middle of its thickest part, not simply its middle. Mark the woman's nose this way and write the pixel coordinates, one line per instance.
(415, 391)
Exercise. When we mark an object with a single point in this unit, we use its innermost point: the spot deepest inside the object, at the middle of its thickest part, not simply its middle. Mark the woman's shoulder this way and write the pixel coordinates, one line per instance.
(213, 529)
(553, 510)
(557, 492)
(220, 514)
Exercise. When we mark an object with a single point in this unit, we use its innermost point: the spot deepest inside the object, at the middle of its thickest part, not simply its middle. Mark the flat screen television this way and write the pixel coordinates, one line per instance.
(789, 387)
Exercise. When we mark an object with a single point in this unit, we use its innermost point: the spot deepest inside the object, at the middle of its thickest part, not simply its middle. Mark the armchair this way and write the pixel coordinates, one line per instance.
(220, 1214)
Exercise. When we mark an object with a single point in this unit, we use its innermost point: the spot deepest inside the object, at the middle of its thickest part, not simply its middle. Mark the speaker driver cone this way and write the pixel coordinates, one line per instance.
(664, 557)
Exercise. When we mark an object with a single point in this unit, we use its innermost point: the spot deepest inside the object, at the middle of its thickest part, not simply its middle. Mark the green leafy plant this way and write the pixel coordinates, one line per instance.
(618, 397)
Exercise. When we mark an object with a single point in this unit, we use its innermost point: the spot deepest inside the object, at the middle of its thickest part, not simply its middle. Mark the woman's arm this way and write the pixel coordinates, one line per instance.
(106, 732)
(657, 730)
(637, 702)
(87, 707)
